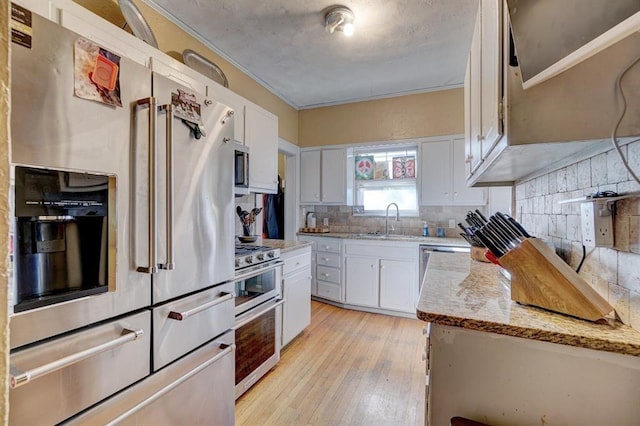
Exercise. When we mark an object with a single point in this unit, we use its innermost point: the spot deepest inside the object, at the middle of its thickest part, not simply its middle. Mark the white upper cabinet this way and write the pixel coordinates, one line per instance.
(234, 101)
(310, 176)
(324, 176)
(261, 136)
(552, 36)
(483, 86)
(491, 74)
(443, 175)
(553, 123)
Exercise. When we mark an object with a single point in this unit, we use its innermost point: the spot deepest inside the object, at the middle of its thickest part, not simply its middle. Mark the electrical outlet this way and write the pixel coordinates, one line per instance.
(452, 223)
(597, 224)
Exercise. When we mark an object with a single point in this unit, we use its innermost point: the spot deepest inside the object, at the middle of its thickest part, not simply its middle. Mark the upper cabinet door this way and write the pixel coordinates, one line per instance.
(334, 170)
(310, 177)
(435, 173)
(261, 136)
(473, 90)
(461, 194)
(491, 76)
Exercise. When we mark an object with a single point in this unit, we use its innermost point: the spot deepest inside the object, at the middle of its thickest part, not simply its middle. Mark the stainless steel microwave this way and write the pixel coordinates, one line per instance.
(241, 169)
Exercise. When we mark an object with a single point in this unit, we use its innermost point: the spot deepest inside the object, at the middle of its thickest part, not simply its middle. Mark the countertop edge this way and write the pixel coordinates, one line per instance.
(464, 293)
(585, 342)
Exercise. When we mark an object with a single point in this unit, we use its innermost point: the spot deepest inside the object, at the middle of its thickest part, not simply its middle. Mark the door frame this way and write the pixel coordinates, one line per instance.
(292, 171)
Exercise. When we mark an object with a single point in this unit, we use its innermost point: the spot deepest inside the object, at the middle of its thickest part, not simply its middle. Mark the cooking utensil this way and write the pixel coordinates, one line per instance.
(137, 23)
(204, 66)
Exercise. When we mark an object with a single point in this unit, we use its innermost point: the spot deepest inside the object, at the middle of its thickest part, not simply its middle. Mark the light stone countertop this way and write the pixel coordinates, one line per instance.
(283, 245)
(461, 292)
(458, 242)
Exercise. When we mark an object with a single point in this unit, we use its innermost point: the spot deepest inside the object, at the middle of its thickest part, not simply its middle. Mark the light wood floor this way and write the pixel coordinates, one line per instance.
(347, 368)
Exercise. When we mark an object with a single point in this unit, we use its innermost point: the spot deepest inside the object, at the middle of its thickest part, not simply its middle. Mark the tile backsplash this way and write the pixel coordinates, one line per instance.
(341, 219)
(614, 273)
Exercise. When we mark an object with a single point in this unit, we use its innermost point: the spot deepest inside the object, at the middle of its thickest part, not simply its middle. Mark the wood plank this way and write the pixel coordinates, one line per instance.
(347, 367)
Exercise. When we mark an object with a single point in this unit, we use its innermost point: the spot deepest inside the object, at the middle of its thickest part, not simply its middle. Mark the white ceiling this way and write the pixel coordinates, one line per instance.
(399, 47)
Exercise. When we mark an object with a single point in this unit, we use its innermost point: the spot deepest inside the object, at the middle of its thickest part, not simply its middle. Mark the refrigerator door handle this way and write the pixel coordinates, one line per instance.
(153, 206)
(169, 262)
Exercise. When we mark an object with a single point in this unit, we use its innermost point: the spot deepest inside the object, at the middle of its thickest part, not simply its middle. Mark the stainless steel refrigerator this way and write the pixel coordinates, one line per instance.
(122, 299)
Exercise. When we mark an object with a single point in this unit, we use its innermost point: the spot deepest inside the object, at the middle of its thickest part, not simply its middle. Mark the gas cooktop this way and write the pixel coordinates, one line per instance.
(250, 255)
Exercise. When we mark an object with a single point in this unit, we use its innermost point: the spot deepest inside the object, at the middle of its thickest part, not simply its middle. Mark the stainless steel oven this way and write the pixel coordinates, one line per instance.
(258, 306)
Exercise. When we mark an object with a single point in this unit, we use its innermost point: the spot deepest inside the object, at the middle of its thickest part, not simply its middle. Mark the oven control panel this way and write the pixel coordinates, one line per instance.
(250, 255)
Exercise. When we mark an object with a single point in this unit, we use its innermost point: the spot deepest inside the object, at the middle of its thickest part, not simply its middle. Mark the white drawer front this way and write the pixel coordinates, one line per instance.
(328, 274)
(330, 245)
(296, 262)
(328, 259)
(383, 250)
(194, 329)
(328, 291)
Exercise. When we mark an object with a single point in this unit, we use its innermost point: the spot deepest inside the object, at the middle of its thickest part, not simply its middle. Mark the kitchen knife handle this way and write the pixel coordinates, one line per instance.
(506, 229)
(169, 262)
(489, 244)
(152, 231)
(519, 227)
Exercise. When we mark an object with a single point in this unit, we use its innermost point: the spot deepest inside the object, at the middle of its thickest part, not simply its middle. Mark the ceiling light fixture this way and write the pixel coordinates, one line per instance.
(339, 18)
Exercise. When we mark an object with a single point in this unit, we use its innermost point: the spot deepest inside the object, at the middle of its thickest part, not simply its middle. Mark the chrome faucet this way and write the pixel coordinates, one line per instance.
(386, 217)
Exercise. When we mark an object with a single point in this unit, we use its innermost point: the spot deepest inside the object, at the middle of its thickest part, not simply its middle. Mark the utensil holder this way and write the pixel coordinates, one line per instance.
(539, 277)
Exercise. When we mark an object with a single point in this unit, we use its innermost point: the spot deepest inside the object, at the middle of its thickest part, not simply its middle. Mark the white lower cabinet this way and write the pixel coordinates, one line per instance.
(362, 275)
(382, 275)
(327, 271)
(398, 280)
(296, 291)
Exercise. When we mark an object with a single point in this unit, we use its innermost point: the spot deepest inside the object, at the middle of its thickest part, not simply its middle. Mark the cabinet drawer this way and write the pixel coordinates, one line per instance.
(382, 250)
(328, 274)
(205, 315)
(296, 262)
(63, 392)
(328, 259)
(328, 291)
(332, 246)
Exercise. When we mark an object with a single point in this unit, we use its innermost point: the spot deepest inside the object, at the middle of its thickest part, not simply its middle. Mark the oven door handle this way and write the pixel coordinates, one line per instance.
(225, 350)
(258, 312)
(190, 312)
(255, 272)
(19, 378)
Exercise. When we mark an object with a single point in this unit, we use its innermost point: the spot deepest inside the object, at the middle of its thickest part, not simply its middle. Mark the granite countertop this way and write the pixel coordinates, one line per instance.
(283, 245)
(461, 292)
(447, 241)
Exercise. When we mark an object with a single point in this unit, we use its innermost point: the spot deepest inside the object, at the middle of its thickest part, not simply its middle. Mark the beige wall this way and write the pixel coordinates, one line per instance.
(173, 40)
(4, 211)
(426, 114)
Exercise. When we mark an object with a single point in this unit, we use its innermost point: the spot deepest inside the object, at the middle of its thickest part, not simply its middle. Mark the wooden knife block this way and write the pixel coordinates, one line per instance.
(539, 277)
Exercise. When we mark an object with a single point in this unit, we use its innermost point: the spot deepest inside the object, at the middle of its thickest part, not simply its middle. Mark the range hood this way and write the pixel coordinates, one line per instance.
(551, 36)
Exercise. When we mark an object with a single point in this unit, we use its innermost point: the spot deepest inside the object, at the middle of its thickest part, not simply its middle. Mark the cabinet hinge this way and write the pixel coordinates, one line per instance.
(501, 110)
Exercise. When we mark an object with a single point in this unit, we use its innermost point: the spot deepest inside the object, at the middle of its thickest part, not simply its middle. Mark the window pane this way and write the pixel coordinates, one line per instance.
(393, 180)
(379, 198)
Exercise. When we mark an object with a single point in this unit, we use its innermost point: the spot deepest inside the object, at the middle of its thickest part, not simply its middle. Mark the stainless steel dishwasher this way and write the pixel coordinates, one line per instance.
(426, 250)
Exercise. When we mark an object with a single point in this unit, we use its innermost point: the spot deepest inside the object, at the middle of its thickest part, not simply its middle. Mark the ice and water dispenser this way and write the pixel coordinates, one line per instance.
(61, 228)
